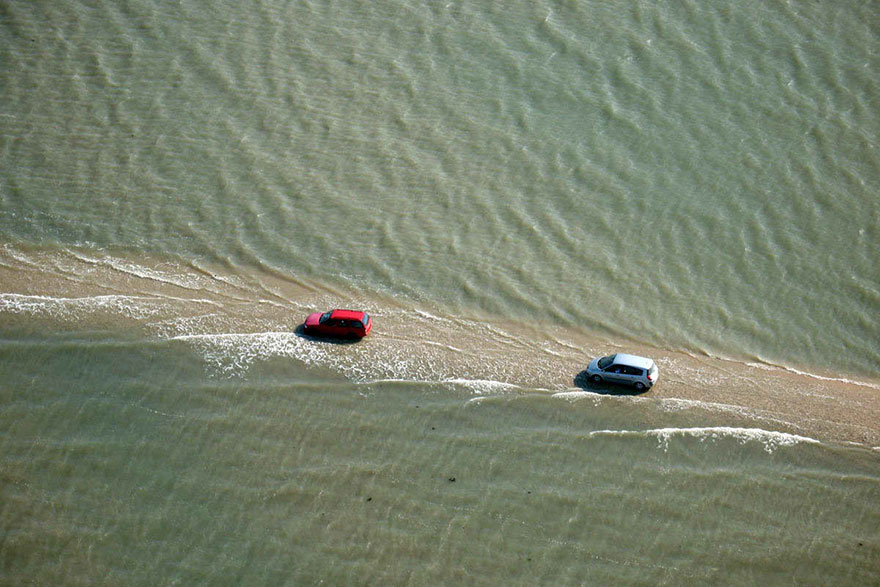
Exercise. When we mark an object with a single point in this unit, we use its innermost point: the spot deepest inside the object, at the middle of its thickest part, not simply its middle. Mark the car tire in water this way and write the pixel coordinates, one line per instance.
(640, 386)
(596, 379)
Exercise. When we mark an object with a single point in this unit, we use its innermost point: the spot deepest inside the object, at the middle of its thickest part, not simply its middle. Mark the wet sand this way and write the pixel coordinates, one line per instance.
(255, 313)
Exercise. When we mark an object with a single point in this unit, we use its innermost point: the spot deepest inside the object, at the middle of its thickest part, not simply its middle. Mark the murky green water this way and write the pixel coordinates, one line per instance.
(509, 191)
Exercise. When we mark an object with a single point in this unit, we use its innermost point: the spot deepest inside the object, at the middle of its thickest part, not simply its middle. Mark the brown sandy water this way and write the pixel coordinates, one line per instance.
(236, 316)
(510, 191)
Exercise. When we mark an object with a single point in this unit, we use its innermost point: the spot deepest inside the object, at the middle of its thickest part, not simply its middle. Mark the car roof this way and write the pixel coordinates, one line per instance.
(347, 315)
(633, 361)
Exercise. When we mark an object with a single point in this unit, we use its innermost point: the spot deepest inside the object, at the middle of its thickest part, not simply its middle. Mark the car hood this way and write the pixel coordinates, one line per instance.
(313, 319)
(594, 365)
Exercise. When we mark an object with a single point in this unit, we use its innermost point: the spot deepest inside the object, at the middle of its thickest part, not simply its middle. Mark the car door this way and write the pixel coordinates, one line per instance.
(330, 327)
(631, 375)
(614, 374)
(341, 328)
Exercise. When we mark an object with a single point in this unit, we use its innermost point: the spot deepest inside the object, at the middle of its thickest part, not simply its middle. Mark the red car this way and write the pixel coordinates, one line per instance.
(339, 324)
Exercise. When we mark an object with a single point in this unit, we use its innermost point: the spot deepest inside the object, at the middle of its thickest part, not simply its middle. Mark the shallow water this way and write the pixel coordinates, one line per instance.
(124, 463)
(509, 192)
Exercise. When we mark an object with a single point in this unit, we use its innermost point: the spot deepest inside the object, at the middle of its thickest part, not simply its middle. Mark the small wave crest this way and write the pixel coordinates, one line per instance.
(234, 353)
(173, 276)
(771, 440)
(137, 307)
(483, 386)
(845, 380)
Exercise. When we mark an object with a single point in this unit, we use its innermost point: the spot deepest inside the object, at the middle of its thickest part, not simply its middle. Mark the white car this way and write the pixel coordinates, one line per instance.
(639, 372)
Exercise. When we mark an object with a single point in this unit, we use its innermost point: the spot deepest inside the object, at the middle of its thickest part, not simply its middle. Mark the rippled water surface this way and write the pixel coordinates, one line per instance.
(509, 191)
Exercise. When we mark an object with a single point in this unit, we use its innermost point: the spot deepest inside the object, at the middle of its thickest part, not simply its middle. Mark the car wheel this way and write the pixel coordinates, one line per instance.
(595, 379)
(640, 386)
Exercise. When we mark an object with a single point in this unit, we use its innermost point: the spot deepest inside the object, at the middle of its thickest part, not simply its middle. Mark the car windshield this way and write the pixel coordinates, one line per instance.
(604, 362)
(324, 317)
(365, 319)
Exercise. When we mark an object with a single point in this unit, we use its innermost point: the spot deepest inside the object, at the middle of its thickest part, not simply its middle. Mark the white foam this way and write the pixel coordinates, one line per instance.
(186, 325)
(482, 386)
(580, 394)
(234, 353)
(17, 255)
(185, 281)
(430, 316)
(448, 347)
(552, 353)
(137, 307)
(769, 438)
(815, 376)
(577, 394)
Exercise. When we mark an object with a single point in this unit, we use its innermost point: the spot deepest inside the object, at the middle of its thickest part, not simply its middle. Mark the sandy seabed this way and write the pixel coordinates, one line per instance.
(238, 316)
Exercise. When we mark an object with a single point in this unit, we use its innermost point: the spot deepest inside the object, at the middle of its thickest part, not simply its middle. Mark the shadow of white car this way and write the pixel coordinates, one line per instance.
(624, 369)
